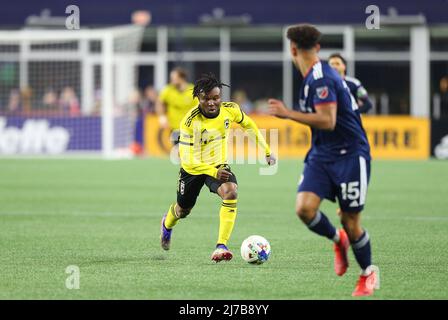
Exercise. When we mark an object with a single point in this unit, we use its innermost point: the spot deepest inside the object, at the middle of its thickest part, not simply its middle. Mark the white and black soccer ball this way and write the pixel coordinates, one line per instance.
(255, 250)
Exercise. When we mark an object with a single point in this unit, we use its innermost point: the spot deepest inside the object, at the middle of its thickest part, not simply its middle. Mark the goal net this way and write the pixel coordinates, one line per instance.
(68, 91)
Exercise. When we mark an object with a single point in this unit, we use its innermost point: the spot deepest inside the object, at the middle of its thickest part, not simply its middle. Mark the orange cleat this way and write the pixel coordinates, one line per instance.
(367, 284)
(341, 253)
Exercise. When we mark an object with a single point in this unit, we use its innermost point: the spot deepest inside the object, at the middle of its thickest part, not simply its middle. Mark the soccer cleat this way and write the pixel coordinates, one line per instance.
(367, 284)
(341, 253)
(165, 235)
(221, 253)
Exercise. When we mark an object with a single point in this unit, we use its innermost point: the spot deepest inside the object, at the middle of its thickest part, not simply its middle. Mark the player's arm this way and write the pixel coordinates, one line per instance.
(190, 155)
(250, 127)
(323, 119)
(363, 99)
(323, 95)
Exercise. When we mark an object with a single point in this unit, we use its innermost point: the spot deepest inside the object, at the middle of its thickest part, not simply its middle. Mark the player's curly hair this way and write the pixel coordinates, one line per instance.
(305, 36)
(206, 83)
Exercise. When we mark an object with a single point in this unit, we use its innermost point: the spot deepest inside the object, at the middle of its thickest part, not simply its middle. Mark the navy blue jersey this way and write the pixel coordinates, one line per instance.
(321, 85)
(360, 93)
(356, 87)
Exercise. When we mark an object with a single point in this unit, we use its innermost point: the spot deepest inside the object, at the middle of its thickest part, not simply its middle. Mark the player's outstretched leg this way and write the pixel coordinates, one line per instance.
(368, 281)
(169, 220)
(227, 217)
(359, 238)
(307, 209)
(341, 253)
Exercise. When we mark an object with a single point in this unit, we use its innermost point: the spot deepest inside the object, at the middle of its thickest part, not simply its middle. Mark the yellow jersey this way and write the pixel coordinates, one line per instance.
(203, 141)
(177, 103)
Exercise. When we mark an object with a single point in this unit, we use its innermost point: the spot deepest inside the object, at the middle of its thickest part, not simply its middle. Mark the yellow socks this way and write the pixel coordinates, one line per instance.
(171, 218)
(227, 216)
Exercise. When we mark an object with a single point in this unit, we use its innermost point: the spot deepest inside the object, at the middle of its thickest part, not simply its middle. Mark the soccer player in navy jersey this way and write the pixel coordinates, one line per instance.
(338, 163)
(337, 62)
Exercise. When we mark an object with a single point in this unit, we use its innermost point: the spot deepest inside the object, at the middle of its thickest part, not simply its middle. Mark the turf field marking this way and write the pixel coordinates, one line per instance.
(197, 215)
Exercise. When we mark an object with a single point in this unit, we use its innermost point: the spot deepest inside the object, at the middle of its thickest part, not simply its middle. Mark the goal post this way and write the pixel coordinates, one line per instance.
(66, 92)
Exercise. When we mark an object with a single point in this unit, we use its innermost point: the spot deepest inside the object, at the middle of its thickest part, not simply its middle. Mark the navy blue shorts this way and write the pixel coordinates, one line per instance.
(346, 180)
(189, 186)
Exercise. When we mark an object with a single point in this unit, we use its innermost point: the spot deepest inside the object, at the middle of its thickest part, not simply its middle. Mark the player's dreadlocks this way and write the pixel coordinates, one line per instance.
(206, 83)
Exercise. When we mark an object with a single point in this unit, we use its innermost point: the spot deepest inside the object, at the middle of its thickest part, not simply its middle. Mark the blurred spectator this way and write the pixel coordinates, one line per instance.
(97, 103)
(444, 96)
(50, 100)
(404, 106)
(240, 97)
(134, 107)
(261, 106)
(26, 95)
(69, 103)
(149, 100)
(14, 103)
(143, 105)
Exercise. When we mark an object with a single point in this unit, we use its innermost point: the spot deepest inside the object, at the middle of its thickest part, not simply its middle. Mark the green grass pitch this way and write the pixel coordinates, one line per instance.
(104, 217)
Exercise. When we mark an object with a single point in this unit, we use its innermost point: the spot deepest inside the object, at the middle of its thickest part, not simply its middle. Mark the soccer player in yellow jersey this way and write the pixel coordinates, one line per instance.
(174, 102)
(203, 153)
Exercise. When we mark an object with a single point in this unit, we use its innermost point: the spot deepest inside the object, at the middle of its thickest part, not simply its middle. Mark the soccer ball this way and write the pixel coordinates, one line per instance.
(255, 250)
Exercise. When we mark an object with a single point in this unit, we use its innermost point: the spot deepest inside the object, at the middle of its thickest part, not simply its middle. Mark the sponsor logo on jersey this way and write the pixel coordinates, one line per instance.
(182, 187)
(322, 92)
